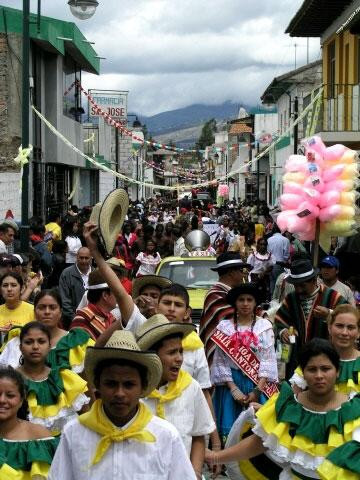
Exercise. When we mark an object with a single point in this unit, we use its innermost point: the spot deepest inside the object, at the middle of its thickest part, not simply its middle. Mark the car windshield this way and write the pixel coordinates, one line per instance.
(190, 273)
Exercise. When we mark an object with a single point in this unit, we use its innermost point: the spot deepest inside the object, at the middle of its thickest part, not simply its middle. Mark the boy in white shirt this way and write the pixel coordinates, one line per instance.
(119, 437)
(178, 397)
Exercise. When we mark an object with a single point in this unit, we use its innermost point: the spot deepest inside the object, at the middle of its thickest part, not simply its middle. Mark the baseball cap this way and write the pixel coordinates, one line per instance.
(330, 261)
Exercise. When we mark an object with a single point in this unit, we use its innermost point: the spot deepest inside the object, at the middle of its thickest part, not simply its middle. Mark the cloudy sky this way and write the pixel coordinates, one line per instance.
(172, 54)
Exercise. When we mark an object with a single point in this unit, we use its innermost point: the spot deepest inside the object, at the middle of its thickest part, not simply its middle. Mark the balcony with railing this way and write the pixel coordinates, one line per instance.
(339, 118)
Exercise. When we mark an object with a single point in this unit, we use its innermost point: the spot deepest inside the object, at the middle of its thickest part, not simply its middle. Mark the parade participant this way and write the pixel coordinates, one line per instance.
(232, 271)
(344, 332)
(120, 437)
(329, 270)
(299, 431)
(14, 312)
(234, 387)
(146, 293)
(67, 348)
(54, 396)
(26, 449)
(178, 397)
(148, 260)
(262, 263)
(307, 309)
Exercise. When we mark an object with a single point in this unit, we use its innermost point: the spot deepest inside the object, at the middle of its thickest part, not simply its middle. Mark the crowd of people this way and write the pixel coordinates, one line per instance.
(103, 374)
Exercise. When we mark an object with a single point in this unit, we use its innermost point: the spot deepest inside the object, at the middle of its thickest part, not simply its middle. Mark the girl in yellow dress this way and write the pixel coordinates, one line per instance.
(54, 395)
(301, 431)
(26, 450)
(67, 348)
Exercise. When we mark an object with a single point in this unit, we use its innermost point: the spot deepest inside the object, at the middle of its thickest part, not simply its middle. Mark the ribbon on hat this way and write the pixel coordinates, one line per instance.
(97, 421)
(22, 159)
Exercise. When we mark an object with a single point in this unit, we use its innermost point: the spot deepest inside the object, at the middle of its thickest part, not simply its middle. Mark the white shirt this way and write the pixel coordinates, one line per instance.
(164, 459)
(279, 246)
(3, 248)
(190, 414)
(84, 277)
(194, 361)
(74, 245)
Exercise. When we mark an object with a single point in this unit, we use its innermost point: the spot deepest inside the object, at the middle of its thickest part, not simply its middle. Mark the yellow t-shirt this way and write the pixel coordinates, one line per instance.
(259, 231)
(20, 315)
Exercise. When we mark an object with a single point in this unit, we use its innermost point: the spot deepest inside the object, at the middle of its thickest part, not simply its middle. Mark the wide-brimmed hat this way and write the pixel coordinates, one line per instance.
(140, 282)
(243, 289)
(122, 346)
(230, 260)
(301, 271)
(110, 216)
(157, 327)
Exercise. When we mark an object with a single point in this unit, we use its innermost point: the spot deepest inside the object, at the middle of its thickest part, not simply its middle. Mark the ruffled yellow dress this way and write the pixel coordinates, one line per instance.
(301, 439)
(26, 459)
(56, 400)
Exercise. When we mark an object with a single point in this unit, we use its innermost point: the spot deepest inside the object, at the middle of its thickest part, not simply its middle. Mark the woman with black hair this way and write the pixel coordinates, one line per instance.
(244, 335)
(14, 312)
(67, 348)
(26, 449)
(300, 431)
(54, 395)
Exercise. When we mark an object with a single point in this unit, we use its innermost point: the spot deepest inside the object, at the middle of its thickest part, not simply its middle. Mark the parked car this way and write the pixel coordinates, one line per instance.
(195, 274)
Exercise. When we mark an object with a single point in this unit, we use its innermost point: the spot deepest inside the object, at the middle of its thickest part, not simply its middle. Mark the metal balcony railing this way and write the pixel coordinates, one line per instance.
(340, 111)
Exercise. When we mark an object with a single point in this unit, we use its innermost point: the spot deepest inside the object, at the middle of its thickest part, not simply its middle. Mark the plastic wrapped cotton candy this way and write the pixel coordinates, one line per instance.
(320, 186)
(223, 191)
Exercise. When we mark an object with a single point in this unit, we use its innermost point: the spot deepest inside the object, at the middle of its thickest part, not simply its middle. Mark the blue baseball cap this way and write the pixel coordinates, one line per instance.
(331, 262)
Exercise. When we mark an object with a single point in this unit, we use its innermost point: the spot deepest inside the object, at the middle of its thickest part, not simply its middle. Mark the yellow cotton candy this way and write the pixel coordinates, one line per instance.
(347, 198)
(296, 177)
(338, 227)
(347, 213)
(348, 185)
(350, 156)
(349, 172)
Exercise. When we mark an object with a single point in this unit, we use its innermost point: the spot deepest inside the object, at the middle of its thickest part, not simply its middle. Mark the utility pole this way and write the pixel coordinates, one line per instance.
(295, 47)
(117, 156)
(296, 131)
(24, 230)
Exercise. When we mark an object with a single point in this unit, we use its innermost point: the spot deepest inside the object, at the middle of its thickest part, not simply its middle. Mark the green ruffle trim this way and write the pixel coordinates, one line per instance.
(58, 357)
(314, 426)
(47, 392)
(20, 455)
(349, 371)
(347, 456)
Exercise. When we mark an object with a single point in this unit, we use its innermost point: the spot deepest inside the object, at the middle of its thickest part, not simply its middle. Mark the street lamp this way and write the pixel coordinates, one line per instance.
(83, 9)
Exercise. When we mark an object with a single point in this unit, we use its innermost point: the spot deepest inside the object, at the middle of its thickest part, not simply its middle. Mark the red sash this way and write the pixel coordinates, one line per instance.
(245, 359)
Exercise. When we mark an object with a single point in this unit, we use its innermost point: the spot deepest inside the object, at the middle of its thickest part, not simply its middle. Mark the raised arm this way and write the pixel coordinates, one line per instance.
(123, 299)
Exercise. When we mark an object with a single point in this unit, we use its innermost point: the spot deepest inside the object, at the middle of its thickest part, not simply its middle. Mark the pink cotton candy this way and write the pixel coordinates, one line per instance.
(316, 144)
(315, 181)
(329, 198)
(329, 213)
(293, 187)
(334, 153)
(299, 225)
(282, 219)
(307, 210)
(295, 163)
(290, 201)
(333, 173)
(312, 196)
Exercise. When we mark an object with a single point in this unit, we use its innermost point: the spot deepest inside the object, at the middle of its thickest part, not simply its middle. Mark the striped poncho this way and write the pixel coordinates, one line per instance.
(291, 314)
(215, 309)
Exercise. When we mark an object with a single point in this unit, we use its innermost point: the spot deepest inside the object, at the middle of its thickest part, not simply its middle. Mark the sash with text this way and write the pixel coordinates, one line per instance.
(245, 359)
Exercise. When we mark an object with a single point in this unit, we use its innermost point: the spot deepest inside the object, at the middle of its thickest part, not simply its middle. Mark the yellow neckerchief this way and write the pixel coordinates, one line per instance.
(192, 342)
(97, 421)
(174, 390)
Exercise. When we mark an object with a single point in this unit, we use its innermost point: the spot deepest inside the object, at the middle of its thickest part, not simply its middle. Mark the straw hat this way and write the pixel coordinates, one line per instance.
(116, 263)
(140, 282)
(122, 346)
(109, 216)
(157, 327)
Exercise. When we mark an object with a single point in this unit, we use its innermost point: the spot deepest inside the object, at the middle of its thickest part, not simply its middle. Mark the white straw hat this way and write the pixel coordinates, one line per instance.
(157, 327)
(140, 282)
(122, 346)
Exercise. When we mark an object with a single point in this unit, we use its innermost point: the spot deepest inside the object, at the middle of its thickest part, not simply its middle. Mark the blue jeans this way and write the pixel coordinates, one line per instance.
(275, 272)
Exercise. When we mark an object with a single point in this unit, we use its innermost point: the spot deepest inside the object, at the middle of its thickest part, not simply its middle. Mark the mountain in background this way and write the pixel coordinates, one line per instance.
(191, 116)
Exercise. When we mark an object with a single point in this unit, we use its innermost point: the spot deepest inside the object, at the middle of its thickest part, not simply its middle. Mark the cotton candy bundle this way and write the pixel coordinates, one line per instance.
(223, 191)
(320, 185)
